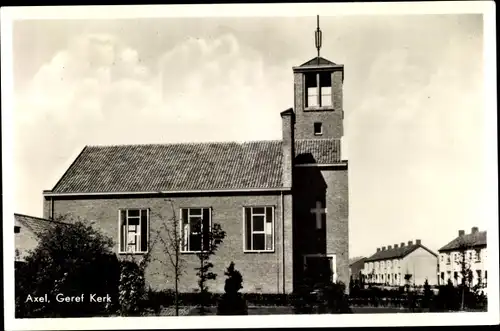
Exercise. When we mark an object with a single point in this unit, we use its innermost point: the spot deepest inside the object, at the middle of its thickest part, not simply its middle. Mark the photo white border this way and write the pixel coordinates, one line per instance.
(487, 8)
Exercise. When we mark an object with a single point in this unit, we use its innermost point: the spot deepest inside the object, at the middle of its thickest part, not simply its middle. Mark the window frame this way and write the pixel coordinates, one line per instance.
(181, 230)
(148, 221)
(319, 93)
(273, 227)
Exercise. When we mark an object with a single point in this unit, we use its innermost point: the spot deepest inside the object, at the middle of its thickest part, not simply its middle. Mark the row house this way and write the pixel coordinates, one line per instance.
(466, 254)
(397, 265)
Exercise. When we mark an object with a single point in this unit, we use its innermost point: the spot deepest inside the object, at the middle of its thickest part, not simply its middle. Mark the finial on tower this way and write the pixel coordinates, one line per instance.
(318, 36)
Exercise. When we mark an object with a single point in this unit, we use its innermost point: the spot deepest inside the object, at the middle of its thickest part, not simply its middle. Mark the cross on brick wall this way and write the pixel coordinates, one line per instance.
(319, 212)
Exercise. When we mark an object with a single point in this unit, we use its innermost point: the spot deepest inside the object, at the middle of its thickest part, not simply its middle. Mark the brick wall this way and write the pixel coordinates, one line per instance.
(262, 272)
(24, 241)
(331, 119)
(329, 185)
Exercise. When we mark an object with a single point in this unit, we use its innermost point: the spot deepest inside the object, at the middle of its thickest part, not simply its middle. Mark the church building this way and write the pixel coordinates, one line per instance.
(283, 204)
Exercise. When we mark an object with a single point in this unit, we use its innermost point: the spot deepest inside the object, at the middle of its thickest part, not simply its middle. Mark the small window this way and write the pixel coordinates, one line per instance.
(196, 226)
(318, 128)
(17, 229)
(259, 228)
(134, 230)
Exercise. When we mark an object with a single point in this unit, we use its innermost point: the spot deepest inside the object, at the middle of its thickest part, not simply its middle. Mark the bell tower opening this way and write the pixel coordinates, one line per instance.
(318, 96)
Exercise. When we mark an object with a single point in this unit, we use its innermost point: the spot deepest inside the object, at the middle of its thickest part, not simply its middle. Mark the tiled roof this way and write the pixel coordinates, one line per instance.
(187, 167)
(36, 225)
(470, 240)
(356, 260)
(395, 253)
(314, 62)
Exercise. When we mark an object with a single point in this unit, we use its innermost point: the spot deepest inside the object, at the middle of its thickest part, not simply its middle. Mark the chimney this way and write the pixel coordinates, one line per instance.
(402, 244)
(461, 233)
(410, 243)
(419, 241)
(288, 122)
(395, 246)
(474, 229)
(389, 247)
(383, 248)
(378, 249)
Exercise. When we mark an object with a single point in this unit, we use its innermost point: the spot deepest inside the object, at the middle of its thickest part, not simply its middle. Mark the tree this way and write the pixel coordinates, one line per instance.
(171, 247)
(211, 240)
(465, 264)
(232, 302)
(73, 259)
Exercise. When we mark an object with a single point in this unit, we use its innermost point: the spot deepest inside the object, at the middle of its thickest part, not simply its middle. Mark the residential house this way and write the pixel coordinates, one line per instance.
(402, 264)
(465, 252)
(357, 268)
(283, 204)
(27, 231)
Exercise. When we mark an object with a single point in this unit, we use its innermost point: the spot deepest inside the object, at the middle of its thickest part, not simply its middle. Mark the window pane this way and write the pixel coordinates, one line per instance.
(312, 101)
(258, 210)
(269, 242)
(258, 241)
(123, 237)
(311, 80)
(133, 220)
(123, 230)
(312, 91)
(206, 228)
(248, 229)
(325, 79)
(195, 212)
(258, 223)
(326, 100)
(133, 213)
(195, 242)
(269, 214)
(144, 230)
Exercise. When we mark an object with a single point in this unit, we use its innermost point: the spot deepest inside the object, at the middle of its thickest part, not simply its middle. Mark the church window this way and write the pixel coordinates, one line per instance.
(134, 230)
(259, 228)
(195, 229)
(318, 89)
(318, 128)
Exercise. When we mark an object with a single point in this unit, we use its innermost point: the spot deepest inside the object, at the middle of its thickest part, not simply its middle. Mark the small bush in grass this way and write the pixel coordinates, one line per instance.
(232, 302)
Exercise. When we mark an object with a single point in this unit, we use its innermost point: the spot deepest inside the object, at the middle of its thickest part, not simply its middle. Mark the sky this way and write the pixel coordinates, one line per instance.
(413, 102)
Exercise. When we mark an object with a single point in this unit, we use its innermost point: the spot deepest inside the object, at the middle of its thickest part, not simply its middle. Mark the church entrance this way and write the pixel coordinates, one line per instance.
(320, 268)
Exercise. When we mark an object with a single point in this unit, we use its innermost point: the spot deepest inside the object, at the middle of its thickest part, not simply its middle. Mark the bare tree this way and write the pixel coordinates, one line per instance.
(170, 235)
(465, 263)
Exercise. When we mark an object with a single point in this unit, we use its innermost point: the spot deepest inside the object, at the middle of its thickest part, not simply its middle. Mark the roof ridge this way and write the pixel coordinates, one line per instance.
(40, 218)
(186, 143)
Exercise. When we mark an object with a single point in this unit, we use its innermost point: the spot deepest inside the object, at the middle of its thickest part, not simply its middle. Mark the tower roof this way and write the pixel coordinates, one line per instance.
(318, 60)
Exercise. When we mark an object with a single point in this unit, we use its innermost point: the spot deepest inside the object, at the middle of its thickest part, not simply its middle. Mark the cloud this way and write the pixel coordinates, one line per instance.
(99, 91)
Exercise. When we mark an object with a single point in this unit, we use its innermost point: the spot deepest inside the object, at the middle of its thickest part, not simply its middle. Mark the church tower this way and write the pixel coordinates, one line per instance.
(318, 97)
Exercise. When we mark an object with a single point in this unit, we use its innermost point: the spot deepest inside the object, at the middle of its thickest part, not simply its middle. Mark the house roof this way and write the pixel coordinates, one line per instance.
(36, 225)
(314, 62)
(186, 167)
(356, 260)
(396, 253)
(470, 240)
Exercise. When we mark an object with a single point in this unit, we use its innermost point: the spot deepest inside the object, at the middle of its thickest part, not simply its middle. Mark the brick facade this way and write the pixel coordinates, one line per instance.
(268, 272)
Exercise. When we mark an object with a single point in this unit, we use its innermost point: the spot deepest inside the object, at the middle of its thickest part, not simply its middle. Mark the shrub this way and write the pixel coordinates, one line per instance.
(321, 298)
(232, 302)
(131, 289)
(70, 259)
